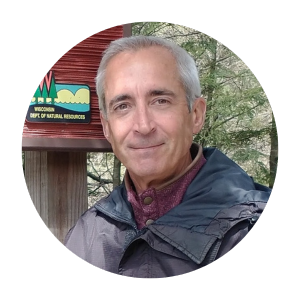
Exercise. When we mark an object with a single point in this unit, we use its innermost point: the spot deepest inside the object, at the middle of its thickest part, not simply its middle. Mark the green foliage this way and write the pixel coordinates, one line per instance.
(239, 117)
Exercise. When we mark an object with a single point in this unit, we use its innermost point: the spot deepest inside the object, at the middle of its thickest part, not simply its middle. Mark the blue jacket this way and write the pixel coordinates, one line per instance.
(217, 211)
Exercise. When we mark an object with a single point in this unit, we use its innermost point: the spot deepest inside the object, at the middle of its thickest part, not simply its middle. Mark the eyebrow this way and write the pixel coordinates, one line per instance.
(150, 93)
(160, 92)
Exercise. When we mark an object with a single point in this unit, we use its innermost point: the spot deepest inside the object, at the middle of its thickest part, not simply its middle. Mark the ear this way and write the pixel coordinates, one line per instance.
(105, 126)
(198, 111)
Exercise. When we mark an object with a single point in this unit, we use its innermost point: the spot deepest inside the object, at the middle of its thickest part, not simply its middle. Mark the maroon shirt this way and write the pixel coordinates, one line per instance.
(153, 203)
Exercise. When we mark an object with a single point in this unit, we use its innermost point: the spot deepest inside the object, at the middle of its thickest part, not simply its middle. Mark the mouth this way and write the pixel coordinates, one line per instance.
(147, 147)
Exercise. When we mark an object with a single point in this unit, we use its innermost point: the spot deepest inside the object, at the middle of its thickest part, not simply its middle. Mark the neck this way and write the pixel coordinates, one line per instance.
(143, 183)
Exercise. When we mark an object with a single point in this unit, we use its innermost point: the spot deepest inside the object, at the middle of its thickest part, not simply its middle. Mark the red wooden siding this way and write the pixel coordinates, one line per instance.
(77, 66)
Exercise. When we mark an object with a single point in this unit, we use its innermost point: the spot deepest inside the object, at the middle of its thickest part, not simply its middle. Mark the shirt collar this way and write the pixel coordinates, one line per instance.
(153, 203)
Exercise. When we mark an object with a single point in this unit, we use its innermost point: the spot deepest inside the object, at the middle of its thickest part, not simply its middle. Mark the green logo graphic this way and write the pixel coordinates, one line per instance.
(53, 102)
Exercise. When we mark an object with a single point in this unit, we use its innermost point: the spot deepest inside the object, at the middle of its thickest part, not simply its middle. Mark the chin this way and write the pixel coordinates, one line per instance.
(146, 171)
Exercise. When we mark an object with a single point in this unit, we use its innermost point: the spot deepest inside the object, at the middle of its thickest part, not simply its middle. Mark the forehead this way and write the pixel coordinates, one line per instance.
(143, 65)
(151, 54)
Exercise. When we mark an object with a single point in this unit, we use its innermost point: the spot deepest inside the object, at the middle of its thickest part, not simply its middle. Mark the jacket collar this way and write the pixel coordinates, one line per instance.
(220, 184)
(116, 206)
(221, 195)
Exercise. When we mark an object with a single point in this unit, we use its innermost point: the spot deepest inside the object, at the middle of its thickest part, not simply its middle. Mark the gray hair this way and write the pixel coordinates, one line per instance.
(188, 72)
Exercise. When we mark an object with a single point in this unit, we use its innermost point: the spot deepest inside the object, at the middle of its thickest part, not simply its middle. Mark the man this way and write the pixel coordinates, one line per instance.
(180, 207)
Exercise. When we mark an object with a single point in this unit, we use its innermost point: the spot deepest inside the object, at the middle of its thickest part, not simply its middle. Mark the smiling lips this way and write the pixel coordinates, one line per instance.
(145, 147)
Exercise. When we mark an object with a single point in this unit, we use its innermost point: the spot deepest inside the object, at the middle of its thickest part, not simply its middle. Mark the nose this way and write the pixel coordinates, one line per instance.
(143, 121)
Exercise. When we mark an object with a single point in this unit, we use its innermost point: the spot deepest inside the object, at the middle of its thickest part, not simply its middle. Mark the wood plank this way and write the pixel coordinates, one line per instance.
(57, 184)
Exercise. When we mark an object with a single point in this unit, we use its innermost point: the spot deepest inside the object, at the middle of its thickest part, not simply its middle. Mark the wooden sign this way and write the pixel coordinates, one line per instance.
(63, 112)
(67, 103)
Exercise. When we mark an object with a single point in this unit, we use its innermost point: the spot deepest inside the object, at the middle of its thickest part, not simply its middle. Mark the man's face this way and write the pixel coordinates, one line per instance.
(148, 122)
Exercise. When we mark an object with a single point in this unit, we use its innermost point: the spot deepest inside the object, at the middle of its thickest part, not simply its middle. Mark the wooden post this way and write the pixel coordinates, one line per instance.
(57, 184)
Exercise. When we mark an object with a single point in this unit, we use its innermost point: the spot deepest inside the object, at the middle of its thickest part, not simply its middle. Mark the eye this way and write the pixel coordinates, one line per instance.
(162, 101)
(122, 106)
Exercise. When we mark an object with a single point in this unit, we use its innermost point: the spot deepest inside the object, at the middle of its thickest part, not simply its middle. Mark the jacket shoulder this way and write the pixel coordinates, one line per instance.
(82, 226)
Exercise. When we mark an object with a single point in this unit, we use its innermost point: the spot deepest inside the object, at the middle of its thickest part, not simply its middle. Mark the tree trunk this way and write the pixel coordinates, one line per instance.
(209, 91)
(117, 172)
(273, 153)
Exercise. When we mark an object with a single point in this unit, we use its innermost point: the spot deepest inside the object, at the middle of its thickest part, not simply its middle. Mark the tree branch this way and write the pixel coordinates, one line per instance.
(98, 178)
(232, 117)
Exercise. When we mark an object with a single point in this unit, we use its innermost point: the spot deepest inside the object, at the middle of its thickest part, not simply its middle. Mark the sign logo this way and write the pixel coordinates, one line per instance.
(59, 103)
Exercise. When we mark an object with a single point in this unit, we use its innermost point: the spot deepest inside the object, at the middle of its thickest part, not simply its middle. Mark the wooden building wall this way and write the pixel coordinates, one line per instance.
(78, 66)
(55, 153)
(57, 184)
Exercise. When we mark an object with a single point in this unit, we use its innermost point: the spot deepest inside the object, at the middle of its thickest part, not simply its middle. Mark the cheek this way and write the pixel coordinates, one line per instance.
(178, 127)
(118, 133)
